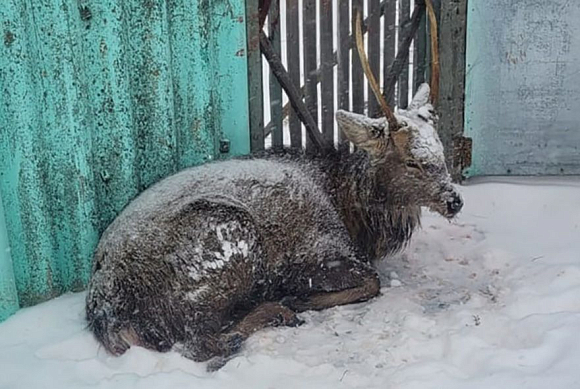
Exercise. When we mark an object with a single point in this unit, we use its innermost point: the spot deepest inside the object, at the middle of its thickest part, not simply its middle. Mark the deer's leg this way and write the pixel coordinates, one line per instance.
(323, 300)
(204, 338)
(334, 283)
(269, 314)
(210, 342)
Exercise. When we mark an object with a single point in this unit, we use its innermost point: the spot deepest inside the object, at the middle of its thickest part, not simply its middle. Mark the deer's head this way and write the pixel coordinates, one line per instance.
(406, 157)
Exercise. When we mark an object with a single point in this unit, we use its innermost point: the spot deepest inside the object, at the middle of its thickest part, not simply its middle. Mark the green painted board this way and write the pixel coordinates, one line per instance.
(8, 295)
(99, 100)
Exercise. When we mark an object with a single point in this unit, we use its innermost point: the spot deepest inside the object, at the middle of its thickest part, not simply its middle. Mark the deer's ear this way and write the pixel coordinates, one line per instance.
(365, 133)
(401, 140)
(362, 134)
(421, 97)
(370, 139)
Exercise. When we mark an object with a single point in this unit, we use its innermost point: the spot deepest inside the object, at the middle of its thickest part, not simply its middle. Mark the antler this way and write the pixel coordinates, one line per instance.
(434, 53)
(393, 123)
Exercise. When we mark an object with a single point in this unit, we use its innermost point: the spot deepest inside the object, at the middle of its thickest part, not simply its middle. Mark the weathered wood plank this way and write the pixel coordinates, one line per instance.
(309, 46)
(374, 49)
(228, 72)
(343, 59)
(348, 41)
(420, 55)
(358, 95)
(327, 69)
(293, 58)
(390, 44)
(403, 52)
(452, 34)
(403, 83)
(275, 88)
(255, 96)
(277, 67)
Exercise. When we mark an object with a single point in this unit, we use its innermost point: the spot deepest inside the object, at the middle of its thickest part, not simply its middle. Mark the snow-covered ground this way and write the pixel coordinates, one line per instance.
(490, 300)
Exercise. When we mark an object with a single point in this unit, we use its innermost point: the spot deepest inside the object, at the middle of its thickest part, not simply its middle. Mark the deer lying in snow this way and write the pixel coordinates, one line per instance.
(208, 256)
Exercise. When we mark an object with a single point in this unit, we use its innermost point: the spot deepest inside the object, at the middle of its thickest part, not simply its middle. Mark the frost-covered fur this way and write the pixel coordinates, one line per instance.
(211, 254)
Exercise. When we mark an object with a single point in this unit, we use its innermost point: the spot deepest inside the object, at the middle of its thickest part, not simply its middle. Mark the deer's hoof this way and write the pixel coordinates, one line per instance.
(295, 322)
(232, 342)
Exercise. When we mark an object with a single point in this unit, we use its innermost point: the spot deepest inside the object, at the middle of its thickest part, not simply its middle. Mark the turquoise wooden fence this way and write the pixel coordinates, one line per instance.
(100, 99)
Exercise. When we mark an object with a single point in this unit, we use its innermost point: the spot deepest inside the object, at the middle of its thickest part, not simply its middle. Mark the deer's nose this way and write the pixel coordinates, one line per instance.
(454, 205)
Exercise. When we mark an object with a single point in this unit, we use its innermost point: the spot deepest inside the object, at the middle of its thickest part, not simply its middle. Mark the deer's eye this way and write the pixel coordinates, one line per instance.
(413, 165)
(377, 131)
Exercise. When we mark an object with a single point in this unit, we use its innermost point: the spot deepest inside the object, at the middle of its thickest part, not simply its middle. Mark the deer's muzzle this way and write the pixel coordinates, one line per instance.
(454, 205)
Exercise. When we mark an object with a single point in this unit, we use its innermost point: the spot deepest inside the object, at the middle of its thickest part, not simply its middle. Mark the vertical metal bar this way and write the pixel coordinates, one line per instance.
(389, 46)
(358, 95)
(374, 48)
(420, 55)
(275, 88)
(403, 86)
(293, 58)
(310, 66)
(343, 57)
(327, 70)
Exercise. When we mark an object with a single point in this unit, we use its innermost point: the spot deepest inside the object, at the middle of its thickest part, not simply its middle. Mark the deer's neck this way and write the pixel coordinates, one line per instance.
(379, 221)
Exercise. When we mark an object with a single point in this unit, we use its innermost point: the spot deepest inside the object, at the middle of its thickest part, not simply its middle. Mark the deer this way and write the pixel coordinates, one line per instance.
(206, 257)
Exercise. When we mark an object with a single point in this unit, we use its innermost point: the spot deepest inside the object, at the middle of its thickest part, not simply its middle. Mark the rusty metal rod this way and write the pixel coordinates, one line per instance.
(292, 92)
(403, 55)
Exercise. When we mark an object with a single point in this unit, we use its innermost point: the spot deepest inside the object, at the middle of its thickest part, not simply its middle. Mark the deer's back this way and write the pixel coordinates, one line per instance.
(282, 197)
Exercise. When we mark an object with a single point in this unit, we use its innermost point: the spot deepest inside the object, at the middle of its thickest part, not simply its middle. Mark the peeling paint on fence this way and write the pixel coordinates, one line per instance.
(100, 99)
(522, 86)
